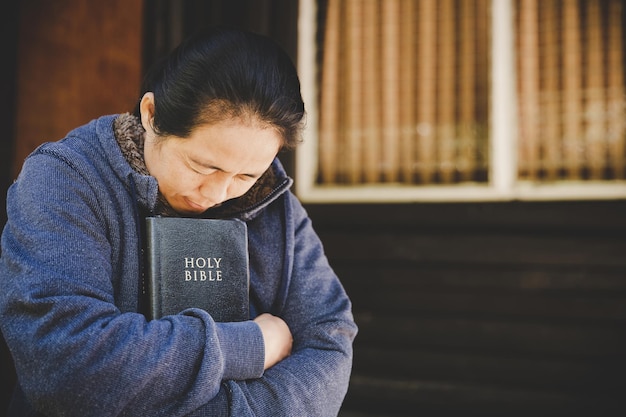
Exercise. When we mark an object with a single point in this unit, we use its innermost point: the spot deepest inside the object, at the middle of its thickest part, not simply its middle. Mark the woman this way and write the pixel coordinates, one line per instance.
(202, 142)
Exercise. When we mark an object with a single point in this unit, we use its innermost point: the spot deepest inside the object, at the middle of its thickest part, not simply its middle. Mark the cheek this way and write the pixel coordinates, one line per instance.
(176, 181)
(186, 182)
(238, 189)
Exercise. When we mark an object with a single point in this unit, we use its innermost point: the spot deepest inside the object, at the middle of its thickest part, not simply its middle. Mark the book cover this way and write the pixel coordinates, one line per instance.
(199, 263)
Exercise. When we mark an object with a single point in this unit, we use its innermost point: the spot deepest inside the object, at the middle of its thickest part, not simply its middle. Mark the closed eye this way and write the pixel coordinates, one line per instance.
(207, 169)
(202, 170)
(247, 177)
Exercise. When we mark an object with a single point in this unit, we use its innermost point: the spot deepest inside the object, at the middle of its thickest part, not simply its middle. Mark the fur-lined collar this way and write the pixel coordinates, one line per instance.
(129, 134)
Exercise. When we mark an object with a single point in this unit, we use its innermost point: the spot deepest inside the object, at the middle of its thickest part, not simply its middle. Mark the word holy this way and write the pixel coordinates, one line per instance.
(203, 269)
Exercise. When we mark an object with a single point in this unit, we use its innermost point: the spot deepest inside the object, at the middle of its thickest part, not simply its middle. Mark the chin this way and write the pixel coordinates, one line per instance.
(189, 211)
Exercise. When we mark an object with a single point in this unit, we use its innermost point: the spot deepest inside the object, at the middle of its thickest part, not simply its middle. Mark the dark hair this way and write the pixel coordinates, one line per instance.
(221, 74)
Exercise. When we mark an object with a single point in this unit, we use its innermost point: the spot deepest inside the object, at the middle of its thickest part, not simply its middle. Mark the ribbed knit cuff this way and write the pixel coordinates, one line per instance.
(243, 349)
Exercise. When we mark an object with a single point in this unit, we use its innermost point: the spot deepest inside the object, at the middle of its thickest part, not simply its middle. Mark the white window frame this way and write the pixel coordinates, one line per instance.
(503, 184)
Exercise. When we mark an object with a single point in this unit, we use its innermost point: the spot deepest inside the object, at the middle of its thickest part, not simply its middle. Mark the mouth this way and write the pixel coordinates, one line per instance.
(195, 207)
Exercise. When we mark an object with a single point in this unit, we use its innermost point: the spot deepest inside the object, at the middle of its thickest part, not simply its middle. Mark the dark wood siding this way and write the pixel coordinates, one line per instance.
(508, 309)
(77, 60)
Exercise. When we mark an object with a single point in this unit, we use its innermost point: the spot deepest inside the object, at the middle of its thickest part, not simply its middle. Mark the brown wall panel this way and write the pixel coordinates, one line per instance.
(77, 60)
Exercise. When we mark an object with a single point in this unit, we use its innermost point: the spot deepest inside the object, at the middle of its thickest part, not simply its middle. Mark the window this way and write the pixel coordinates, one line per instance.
(453, 100)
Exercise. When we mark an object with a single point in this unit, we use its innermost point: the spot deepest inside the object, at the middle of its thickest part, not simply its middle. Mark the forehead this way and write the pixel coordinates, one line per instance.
(232, 142)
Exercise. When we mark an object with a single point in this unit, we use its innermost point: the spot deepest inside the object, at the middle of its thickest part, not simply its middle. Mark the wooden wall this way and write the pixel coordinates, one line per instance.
(503, 309)
(8, 40)
(77, 60)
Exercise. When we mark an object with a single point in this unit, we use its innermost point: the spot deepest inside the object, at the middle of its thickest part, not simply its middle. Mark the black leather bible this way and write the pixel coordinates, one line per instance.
(199, 263)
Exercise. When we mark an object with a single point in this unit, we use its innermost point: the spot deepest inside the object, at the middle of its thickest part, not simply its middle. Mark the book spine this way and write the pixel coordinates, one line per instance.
(153, 269)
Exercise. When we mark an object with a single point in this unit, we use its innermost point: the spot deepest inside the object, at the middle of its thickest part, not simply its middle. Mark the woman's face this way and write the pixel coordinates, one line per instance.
(215, 163)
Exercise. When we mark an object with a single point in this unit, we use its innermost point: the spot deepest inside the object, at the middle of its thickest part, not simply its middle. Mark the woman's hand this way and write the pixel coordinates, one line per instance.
(277, 338)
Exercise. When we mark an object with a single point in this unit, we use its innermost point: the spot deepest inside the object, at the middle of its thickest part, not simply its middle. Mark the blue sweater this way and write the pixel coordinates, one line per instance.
(70, 278)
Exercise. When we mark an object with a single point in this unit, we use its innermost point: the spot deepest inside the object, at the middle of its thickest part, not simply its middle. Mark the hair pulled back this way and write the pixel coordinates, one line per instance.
(222, 74)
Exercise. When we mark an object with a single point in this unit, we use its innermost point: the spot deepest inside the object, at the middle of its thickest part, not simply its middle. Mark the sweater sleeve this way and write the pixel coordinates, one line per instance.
(76, 353)
(312, 381)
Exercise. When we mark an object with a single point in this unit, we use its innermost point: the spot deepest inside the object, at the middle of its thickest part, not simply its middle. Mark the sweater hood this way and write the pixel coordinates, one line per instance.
(121, 139)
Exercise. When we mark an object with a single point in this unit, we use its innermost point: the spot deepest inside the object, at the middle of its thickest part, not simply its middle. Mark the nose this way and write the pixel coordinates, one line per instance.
(215, 188)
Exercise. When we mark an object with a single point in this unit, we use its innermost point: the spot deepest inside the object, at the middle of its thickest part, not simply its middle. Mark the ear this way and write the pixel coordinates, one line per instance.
(146, 108)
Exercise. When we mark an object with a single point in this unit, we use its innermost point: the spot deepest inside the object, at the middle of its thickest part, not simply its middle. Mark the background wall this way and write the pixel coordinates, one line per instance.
(76, 60)
(484, 309)
(8, 42)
